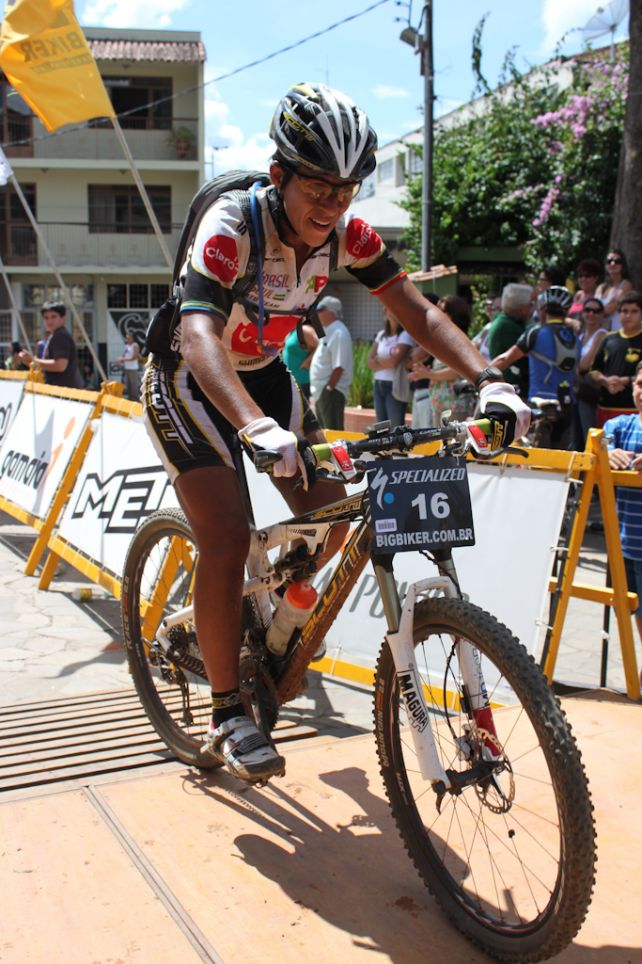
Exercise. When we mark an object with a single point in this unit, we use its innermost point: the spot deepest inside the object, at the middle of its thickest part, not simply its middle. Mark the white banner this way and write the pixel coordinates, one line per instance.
(120, 483)
(518, 515)
(11, 390)
(37, 449)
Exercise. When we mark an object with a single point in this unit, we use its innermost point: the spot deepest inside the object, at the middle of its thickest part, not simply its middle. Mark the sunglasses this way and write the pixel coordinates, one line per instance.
(614, 260)
(593, 311)
(317, 189)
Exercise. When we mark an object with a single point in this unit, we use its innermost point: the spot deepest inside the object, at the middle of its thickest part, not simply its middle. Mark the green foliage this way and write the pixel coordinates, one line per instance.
(536, 169)
(361, 390)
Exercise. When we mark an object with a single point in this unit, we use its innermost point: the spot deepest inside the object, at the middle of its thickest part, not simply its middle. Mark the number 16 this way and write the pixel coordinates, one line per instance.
(438, 505)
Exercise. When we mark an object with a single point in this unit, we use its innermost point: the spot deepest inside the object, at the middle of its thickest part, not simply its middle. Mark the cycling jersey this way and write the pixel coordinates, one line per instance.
(219, 257)
(186, 429)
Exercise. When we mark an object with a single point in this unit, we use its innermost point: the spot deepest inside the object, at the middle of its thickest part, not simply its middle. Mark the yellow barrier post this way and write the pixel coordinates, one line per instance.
(59, 548)
(69, 476)
(616, 595)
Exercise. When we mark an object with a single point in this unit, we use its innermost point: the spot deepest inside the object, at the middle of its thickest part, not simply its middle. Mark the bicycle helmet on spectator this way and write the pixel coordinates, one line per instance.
(322, 130)
(556, 299)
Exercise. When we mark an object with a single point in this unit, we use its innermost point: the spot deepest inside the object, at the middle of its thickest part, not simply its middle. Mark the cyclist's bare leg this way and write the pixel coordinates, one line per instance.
(211, 500)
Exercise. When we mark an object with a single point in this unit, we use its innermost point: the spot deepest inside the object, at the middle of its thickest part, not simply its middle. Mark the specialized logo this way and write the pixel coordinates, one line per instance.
(415, 708)
(378, 485)
(221, 258)
(362, 241)
(124, 500)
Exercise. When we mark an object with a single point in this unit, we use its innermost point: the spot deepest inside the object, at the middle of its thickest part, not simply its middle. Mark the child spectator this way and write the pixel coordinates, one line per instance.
(624, 435)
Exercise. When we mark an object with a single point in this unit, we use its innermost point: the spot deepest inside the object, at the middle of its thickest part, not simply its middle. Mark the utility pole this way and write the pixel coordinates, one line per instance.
(422, 43)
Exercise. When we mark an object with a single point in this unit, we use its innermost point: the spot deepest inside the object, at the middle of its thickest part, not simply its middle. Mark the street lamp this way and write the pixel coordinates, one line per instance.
(422, 44)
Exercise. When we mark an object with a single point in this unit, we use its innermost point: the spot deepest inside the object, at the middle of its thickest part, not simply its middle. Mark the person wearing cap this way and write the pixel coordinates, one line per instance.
(219, 381)
(331, 366)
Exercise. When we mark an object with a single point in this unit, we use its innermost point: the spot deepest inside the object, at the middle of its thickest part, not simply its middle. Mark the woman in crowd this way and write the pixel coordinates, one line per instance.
(616, 284)
(387, 358)
(442, 378)
(587, 274)
(592, 333)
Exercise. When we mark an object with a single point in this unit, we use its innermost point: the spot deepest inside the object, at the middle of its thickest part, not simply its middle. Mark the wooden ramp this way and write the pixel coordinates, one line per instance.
(169, 866)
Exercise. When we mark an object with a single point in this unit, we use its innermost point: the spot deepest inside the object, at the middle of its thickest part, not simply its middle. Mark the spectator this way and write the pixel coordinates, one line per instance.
(90, 378)
(507, 327)
(624, 437)
(492, 307)
(130, 363)
(331, 366)
(549, 275)
(442, 379)
(616, 360)
(420, 387)
(587, 274)
(551, 348)
(14, 362)
(59, 361)
(617, 284)
(591, 336)
(297, 355)
(387, 358)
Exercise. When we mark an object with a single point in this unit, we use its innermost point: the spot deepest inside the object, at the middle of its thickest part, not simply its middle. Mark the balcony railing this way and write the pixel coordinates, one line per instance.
(73, 247)
(98, 142)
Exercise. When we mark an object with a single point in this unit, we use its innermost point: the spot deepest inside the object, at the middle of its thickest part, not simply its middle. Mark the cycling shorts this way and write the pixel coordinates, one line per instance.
(188, 432)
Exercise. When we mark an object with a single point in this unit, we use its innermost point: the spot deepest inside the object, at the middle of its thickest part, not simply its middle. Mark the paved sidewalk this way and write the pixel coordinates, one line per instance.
(53, 645)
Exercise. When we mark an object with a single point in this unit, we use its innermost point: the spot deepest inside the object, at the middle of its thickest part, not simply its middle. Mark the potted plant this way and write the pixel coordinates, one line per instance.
(183, 139)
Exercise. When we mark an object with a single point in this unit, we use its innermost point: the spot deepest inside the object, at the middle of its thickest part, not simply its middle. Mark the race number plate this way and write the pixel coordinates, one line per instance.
(421, 503)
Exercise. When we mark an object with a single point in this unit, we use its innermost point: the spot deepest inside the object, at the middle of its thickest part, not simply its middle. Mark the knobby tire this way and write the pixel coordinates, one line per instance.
(164, 533)
(517, 883)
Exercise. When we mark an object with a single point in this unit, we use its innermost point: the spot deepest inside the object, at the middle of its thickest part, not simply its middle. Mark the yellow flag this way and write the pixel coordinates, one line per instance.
(45, 56)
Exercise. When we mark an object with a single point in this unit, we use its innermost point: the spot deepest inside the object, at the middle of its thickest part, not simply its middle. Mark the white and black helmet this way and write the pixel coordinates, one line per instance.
(322, 130)
(557, 299)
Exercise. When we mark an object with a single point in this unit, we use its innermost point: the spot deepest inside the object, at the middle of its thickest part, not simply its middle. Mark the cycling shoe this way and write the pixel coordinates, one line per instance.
(245, 752)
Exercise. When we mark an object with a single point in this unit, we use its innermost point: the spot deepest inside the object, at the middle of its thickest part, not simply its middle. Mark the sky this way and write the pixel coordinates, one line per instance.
(364, 57)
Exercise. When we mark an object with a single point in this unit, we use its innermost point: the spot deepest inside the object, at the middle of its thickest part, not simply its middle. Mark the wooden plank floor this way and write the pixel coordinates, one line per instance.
(81, 737)
(181, 865)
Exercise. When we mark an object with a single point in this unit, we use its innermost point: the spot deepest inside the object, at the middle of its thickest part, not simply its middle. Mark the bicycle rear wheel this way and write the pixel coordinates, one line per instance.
(511, 858)
(158, 580)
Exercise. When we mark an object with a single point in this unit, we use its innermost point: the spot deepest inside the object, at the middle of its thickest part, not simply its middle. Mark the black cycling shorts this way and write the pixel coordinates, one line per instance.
(188, 432)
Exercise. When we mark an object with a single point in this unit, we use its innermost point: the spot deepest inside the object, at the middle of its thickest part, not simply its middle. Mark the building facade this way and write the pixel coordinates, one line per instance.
(82, 192)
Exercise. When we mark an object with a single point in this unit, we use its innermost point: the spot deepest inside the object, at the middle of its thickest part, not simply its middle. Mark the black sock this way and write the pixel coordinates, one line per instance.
(225, 705)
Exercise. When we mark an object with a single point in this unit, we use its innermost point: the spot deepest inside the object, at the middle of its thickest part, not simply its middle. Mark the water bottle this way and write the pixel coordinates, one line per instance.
(293, 611)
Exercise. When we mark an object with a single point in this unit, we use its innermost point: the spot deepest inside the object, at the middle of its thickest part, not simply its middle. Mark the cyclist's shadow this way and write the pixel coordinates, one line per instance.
(356, 875)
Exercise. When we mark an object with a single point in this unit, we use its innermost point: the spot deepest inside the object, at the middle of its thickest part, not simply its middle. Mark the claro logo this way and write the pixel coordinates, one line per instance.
(124, 500)
(221, 258)
(362, 241)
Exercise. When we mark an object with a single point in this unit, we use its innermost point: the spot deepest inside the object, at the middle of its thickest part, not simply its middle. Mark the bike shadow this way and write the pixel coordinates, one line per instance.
(353, 873)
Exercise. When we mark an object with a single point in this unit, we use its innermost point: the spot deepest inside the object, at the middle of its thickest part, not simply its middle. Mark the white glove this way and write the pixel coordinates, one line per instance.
(500, 401)
(265, 433)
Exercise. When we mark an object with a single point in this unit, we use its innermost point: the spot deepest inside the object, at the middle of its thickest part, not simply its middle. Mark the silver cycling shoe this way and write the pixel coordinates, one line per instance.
(245, 751)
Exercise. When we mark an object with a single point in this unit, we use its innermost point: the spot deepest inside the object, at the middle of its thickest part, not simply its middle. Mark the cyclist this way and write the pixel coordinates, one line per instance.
(219, 380)
(552, 352)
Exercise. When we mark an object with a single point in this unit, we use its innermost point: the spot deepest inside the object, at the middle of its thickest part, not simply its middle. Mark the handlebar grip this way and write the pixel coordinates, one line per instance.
(264, 459)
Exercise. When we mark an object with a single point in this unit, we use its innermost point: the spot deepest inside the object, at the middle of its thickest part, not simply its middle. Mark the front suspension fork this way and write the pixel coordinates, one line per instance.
(400, 637)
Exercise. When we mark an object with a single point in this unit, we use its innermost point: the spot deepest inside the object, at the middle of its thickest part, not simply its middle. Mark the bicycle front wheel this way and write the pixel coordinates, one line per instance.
(511, 856)
(158, 580)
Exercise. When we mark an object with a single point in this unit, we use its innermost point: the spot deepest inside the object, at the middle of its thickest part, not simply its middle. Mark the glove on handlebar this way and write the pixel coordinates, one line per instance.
(511, 417)
(265, 433)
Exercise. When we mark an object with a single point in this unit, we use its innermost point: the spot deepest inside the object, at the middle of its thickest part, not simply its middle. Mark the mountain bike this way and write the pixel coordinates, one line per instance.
(482, 773)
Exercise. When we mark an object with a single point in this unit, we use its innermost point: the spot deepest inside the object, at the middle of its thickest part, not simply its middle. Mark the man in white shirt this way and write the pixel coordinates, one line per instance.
(331, 368)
